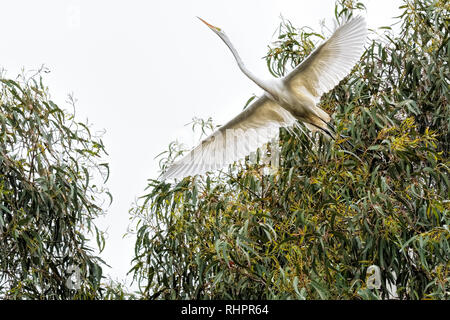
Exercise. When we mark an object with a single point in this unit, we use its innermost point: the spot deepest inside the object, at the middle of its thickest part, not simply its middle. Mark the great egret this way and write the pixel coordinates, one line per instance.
(285, 100)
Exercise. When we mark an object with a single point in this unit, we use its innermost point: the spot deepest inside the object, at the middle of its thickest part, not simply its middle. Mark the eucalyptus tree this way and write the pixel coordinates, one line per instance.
(51, 190)
(377, 195)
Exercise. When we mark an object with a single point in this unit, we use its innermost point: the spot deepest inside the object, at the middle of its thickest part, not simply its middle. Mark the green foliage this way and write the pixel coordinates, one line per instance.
(48, 197)
(377, 195)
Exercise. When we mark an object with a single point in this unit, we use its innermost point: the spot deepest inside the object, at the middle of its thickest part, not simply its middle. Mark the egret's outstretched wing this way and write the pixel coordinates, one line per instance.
(329, 63)
(252, 128)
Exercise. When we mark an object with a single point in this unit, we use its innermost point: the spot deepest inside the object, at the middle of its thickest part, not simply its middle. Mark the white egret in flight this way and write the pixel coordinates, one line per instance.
(285, 100)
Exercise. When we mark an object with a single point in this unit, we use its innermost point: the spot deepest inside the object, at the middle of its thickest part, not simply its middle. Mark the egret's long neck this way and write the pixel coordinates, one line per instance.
(262, 84)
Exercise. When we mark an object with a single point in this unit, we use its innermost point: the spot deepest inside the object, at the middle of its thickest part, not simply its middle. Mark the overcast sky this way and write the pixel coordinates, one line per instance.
(141, 70)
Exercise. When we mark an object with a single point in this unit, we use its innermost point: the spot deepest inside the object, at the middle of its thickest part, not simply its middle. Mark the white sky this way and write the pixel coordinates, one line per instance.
(141, 70)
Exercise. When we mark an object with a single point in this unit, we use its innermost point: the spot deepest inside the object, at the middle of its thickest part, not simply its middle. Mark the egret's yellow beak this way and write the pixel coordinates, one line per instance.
(209, 25)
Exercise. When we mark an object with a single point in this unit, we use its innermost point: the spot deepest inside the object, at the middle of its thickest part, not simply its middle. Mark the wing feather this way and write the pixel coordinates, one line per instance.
(329, 63)
(251, 129)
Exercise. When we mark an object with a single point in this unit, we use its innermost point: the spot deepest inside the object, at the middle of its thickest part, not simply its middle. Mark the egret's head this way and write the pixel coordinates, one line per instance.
(213, 28)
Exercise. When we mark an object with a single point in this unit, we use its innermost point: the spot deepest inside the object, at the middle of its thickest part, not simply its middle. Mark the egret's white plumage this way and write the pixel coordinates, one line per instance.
(284, 101)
